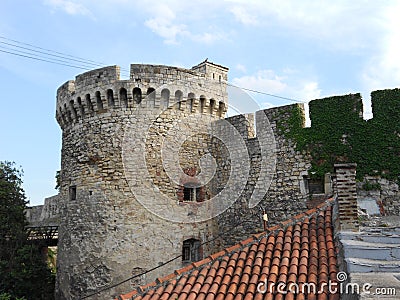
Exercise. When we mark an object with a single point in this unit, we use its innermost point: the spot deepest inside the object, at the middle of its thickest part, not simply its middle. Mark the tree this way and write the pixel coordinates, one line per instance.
(23, 271)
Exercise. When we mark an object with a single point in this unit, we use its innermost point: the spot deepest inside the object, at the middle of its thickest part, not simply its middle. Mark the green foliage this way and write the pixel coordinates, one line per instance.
(23, 271)
(339, 134)
(369, 186)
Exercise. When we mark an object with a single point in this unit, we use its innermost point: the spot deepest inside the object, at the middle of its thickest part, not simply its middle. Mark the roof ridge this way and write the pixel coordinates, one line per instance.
(209, 260)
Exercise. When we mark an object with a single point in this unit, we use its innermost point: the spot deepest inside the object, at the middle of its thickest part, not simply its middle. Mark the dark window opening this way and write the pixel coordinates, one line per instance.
(192, 194)
(165, 98)
(316, 186)
(202, 103)
(212, 105)
(221, 109)
(178, 98)
(110, 98)
(137, 95)
(72, 192)
(151, 95)
(82, 110)
(123, 97)
(89, 103)
(191, 250)
(191, 97)
(306, 187)
(73, 109)
(99, 102)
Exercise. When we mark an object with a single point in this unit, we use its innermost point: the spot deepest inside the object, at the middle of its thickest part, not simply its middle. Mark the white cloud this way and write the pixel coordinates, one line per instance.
(290, 85)
(70, 7)
(264, 80)
(383, 69)
(293, 87)
(241, 68)
(243, 16)
(309, 91)
(163, 22)
(165, 29)
(330, 23)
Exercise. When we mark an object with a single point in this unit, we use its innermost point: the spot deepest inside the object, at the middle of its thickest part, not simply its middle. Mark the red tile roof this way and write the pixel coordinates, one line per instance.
(290, 256)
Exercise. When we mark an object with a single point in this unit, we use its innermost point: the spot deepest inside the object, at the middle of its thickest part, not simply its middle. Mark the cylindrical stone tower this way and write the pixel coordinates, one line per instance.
(134, 185)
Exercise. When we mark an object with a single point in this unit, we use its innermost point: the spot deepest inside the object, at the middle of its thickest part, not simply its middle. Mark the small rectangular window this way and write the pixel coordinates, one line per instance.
(191, 249)
(188, 194)
(72, 192)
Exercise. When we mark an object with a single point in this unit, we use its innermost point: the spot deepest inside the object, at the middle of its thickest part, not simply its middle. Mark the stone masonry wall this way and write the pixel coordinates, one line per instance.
(117, 201)
(380, 192)
(285, 170)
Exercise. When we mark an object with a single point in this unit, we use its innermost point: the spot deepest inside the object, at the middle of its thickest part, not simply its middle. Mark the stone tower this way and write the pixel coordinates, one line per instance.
(134, 181)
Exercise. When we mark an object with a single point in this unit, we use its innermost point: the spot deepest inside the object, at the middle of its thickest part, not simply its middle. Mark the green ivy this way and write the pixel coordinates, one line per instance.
(369, 186)
(339, 134)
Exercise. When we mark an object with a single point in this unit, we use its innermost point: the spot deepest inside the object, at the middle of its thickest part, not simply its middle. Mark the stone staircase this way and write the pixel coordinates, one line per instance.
(372, 256)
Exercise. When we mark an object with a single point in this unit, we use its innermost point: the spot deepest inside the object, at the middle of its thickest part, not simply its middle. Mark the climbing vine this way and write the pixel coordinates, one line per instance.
(339, 134)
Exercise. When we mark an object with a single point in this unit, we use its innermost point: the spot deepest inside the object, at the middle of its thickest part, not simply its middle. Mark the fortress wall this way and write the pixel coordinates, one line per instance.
(112, 126)
(286, 195)
(106, 234)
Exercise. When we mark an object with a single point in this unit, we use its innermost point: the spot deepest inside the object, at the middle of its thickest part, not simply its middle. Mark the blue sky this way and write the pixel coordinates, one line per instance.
(297, 49)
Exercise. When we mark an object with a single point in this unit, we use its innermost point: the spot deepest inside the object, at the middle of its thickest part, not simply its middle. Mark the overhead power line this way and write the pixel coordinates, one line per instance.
(33, 52)
(50, 56)
(59, 58)
(267, 94)
(41, 59)
(72, 57)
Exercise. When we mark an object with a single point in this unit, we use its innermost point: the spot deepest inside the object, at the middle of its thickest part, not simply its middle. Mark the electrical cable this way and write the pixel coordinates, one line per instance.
(57, 52)
(40, 59)
(70, 60)
(268, 94)
(42, 52)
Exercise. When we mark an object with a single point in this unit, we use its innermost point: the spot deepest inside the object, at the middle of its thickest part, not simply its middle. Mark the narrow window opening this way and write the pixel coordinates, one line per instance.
(99, 102)
(137, 95)
(191, 97)
(89, 103)
(202, 103)
(192, 194)
(72, 192)
(165, 98)
(73, 109)
(178, 98)
(187, 194)
(82, 110)
(110, 98)
(191, 251)
(151, 95)
(221, 109)
(212, 104)
(315, 186)
(123, 97)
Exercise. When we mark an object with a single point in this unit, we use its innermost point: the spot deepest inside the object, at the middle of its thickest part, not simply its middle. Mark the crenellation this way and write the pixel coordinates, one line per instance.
(97, 86)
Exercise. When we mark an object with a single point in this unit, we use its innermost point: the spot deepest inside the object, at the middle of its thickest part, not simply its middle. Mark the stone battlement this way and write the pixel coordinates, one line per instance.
(101, 91)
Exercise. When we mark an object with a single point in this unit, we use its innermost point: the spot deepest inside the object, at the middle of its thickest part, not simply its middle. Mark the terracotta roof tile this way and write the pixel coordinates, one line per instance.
(300, 250)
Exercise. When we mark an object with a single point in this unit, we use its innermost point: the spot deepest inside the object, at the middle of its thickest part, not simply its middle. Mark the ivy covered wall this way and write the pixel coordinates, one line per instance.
(338, 133)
